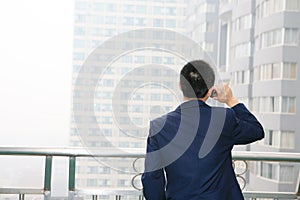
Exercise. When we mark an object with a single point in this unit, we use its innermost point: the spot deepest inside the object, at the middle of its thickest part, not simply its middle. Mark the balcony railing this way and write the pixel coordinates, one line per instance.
(73, 153)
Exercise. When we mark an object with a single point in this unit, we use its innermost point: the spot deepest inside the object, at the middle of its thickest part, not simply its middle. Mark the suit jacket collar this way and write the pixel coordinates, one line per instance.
(191, 104)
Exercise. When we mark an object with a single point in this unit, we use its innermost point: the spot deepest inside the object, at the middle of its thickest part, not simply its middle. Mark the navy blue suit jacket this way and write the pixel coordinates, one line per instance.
(189, 152)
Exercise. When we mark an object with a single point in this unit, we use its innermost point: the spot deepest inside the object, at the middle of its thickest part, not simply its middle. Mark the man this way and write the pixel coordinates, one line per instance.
(192, 145)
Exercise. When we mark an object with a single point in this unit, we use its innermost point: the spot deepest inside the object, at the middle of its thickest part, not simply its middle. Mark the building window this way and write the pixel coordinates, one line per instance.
(242, 50)
(109, 32)
(242, 23)
(126, 59)
(111, 7)
(170, 11)
(123, 144)
(167, 97)
(129, 8)
(291, 36)
(104, 170)
(98, 6)
(158, 22)
(106, 132)
(92, 170)
(279, 139)
(137, 108)
(155, 97)
(268, 104)
(106, 120)
(141, 9)
(286, 173)
(269, 7)
(271, 38)
(168, 60)
(123, 183)
(106, 107)
(92, 182)
(157, 10)
(268, 170)
(278, 172)
(289, 70)
(104, 182)
(170, 23)
(293, 5)
(271, 138)
(241, 77)
(270, 71)
(128, 21)
(137, 121)
(156, 60)
(107, 82)
(287, 139)
(288, 105)
(276, 104)
(110, 20)
(97, 19)
(139, 59)
(140, 21)
(107, 95)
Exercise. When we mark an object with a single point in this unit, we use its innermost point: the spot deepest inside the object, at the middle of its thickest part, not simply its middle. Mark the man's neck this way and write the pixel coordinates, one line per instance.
(189, 99)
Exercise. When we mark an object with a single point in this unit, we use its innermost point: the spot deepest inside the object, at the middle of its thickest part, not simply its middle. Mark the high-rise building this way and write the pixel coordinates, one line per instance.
(124, 97)
(274, 89)
(254, 44)
(258, 50)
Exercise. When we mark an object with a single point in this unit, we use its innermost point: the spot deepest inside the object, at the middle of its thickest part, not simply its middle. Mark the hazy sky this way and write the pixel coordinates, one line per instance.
(35, 79)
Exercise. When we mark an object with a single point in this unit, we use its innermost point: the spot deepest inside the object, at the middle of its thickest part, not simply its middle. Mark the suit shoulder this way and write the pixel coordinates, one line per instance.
(159, 122)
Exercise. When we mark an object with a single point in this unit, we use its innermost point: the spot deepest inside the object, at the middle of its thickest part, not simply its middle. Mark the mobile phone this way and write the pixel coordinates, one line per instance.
(213, 93)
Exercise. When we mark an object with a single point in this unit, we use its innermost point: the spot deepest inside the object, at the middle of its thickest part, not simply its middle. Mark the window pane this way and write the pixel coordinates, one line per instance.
(286, 173)
(276, 70)
(291, 36)
(288, 104)
(292, 5)
(276, 104)
(287, 139)
(293, 70)
(276, 138)
(269, 171)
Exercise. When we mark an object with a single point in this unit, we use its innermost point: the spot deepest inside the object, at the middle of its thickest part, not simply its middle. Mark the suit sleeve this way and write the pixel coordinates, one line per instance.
(153, 181)
(247, 128)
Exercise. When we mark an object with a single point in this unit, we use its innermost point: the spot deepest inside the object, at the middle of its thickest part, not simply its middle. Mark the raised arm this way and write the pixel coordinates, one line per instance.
(247, 128)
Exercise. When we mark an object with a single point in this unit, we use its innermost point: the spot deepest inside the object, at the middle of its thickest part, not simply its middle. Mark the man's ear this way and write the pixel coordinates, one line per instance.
(179, 86)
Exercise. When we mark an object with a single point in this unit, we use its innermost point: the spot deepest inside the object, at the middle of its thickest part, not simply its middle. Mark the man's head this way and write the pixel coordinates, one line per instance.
(196, 78)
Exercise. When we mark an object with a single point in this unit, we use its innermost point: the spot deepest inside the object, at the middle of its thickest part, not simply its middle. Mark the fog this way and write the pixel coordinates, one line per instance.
(35, 77)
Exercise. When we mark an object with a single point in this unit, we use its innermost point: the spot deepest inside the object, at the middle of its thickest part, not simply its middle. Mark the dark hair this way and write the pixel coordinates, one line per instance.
(196, 78)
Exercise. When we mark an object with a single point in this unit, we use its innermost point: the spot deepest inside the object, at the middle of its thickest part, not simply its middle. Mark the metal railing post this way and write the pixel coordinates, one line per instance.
(21, 196)
(72, 169)
(47, 181)
(298, 191)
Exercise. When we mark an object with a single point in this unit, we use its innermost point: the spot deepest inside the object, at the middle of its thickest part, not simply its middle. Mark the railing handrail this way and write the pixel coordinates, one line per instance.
(74, 152)
(136, 153)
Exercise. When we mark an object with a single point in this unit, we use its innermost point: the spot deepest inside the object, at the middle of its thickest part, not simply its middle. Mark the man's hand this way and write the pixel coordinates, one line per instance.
(223, 94)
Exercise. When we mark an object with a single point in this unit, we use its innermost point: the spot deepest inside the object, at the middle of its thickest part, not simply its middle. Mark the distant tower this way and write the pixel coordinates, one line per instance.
(96, 21)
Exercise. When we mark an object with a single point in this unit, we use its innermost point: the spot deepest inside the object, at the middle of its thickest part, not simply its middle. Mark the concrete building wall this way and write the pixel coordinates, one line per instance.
(264, 76)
